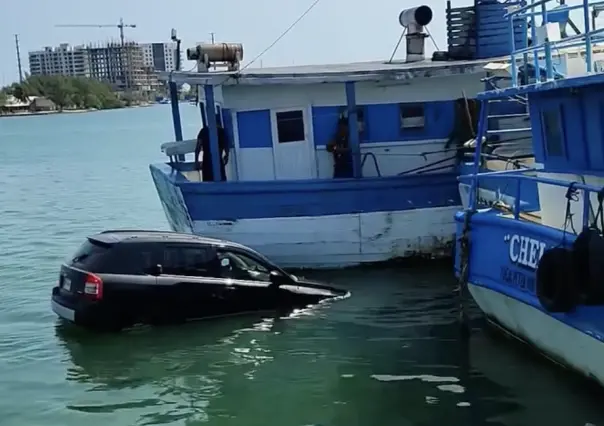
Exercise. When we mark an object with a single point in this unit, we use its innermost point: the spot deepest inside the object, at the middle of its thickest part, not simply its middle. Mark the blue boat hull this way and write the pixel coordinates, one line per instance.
(503, 257)
(320, 223)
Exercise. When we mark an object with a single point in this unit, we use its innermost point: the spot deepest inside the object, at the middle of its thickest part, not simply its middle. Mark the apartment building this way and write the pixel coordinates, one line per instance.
(159, 56)
(61, 60)
(128, 66)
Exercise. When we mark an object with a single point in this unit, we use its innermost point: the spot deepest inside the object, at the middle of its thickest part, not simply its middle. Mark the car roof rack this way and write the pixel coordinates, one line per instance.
(132, 231)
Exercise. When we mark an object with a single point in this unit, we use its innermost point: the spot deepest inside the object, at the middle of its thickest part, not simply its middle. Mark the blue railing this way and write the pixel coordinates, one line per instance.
(527, 13)
(519, 178)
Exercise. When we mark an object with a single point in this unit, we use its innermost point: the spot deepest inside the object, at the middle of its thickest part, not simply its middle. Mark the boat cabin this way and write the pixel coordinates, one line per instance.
(279, 121)
(565, 111)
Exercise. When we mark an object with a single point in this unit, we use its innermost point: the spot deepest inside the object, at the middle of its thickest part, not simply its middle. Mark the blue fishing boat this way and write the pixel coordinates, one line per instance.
(537, 272)
(392, 192)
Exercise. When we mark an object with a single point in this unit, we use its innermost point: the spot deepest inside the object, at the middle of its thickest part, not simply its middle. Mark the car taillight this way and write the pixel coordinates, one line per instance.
(93, 287)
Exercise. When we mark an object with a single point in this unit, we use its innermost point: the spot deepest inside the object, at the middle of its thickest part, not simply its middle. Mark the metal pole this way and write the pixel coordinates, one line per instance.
(19, 58)
(353, 129)
(211, 117)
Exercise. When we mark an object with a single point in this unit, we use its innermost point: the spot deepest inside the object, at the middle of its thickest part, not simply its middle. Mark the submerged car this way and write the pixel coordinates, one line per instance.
(119, 278)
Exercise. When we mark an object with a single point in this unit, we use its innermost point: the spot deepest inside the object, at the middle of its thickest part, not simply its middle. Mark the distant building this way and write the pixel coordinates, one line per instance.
(130, 66)
(120, 66)
(40, 103)
(159, 56)
(61, 60)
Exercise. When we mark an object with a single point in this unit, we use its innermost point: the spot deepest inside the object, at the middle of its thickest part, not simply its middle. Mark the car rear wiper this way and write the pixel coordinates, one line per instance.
(79, 258)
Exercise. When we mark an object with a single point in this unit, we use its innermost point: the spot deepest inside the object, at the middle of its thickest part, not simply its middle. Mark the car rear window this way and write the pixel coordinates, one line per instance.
(89, 255)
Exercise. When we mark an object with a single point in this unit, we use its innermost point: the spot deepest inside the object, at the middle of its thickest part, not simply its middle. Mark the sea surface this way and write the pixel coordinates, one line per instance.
(388, 355)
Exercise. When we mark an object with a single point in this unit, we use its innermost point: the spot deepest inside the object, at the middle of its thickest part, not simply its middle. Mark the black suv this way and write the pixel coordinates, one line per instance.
(122, 277)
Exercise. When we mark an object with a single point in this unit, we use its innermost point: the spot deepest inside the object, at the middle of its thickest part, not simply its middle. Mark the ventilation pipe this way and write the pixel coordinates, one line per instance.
(414, 20)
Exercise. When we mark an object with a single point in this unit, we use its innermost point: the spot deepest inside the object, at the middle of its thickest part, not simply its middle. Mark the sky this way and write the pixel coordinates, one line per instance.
(334, 31)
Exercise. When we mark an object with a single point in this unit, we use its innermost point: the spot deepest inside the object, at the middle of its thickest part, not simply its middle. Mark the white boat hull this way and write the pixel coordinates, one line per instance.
(562, 343)
(341, 240)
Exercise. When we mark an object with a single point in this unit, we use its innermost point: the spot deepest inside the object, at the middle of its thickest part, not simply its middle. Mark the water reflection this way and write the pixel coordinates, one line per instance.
(182, 367)
(390, 355)
(527, 390)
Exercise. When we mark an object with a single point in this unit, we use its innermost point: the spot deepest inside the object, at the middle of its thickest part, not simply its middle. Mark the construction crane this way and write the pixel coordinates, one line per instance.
(120, 26)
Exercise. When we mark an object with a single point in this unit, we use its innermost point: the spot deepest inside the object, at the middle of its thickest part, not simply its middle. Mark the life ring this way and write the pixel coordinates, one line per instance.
(588, 259)
(555, 280)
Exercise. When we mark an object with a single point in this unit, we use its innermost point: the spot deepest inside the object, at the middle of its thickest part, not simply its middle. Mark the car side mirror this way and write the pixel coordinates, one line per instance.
(278, 279)
(157, 270)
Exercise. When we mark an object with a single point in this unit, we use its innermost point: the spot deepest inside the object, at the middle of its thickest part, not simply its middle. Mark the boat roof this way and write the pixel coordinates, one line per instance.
(332, 73)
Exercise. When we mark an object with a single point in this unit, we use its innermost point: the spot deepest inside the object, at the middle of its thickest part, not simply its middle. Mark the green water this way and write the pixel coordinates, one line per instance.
(389, 355)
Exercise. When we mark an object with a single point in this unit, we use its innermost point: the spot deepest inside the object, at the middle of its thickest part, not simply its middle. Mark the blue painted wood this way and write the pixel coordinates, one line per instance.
(319, 197)
(382, 123)
(176, 115)
(211, 115)
(254, 129)
(493, 38)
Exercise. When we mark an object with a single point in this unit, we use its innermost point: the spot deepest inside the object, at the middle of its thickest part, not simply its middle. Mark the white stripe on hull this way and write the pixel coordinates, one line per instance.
(341, 240)
(563, 343)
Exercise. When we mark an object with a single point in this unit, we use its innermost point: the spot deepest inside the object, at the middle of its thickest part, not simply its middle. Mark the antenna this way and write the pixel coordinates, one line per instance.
(19, 58)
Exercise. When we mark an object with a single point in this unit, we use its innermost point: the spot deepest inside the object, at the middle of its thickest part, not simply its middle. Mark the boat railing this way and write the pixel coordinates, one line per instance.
(528, 15)
(518, 176)
(375, 162)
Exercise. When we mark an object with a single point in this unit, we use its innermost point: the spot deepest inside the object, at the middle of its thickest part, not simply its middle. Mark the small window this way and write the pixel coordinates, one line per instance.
(290, 126)
(552, 132)
(198, 261)
(239, 266)
(412, 116)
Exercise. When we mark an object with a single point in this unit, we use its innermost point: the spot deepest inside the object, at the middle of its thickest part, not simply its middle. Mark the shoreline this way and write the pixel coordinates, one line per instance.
(68, 111)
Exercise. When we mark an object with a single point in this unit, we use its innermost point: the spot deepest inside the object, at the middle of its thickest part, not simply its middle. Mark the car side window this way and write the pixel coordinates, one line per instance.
(129, 259)
(239, 266)
(191, 260)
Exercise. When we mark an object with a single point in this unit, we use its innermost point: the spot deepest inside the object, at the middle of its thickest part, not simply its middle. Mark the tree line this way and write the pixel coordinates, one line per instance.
(66, 92)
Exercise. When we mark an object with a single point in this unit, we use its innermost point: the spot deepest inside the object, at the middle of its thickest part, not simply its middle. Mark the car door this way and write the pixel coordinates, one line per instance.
(251, 277)
(191, 273)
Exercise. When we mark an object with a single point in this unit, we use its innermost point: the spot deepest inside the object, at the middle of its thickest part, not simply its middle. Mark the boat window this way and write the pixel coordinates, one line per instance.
(552, 132)
(192, 260)
(290, 126)
(412, 116)
(238, 266)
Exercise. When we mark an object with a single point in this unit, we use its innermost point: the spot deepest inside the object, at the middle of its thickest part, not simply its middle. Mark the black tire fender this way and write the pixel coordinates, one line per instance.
(588, 257)
(555, 280)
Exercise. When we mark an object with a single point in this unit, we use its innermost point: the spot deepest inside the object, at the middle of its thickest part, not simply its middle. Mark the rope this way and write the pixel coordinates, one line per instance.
(464, 273)
(398, 43)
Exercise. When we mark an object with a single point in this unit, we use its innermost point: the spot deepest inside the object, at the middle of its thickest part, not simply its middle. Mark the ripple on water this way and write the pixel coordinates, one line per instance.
(67, 176)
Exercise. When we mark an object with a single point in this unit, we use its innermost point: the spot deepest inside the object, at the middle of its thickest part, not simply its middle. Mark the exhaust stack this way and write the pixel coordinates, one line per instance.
(414, 20)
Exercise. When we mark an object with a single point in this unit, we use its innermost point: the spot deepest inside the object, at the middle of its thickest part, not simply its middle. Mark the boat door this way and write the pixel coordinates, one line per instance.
(293, 149)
